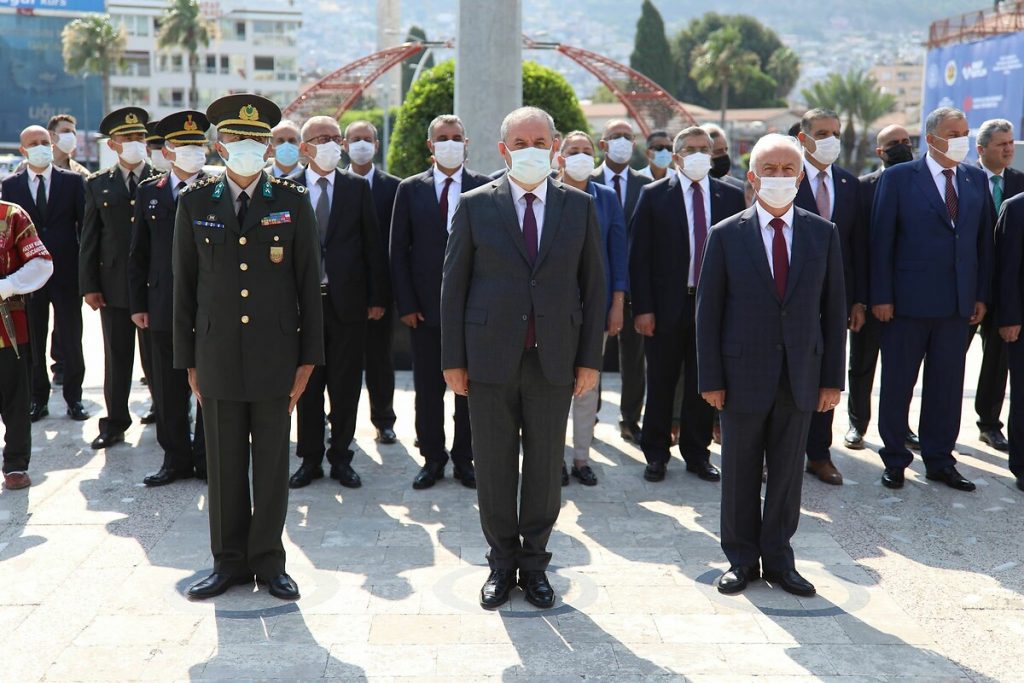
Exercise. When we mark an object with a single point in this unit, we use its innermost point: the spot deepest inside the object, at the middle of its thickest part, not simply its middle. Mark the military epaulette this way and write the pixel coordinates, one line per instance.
(97, 174)
(288, 184)
(153, 179)
(202, 182)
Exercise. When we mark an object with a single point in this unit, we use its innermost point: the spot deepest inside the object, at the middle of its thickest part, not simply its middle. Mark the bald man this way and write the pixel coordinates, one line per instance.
(285, 139)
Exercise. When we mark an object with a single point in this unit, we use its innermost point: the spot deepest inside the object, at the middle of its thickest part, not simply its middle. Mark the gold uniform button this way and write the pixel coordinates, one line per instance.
(245, 293)
(242, 241)
(245, 320)
(277, 238)
(207, 240)
(243, 266)
(133, 202)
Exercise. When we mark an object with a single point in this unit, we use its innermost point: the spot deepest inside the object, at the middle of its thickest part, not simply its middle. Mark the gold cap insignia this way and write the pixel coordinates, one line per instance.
(190, 124)
(131, 119)
(249, 113)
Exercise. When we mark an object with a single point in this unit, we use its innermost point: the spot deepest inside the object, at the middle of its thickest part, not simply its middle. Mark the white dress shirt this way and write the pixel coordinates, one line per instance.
(939, 178)
(137, 172)
(646, 171)
(687, 187)
(609, 176)
(768, 233)
(454, 190)
(830, 185)
(174, 180)
(313, 183)
(33, 180)
(368, 177)
(519, 201)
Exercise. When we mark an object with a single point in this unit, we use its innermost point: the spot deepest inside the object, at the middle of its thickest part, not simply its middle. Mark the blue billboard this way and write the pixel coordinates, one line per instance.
(984, 79)
(55, 5)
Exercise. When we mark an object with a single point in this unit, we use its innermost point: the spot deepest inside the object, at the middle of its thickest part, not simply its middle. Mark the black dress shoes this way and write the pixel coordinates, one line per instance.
(496, 588)
(429, 474)
(995, 439)
(854, 440)
(630, 431)
(215, 584)
(705, 470)
(466, 474)
(283, 587)
(346, 476)
(149, 418)
(106, 440)
(951, 478)
(791, 582)
(585, 475)
(38, 411)
(736, 579)
(167, 475)
(913, 442)
(305, 475)
(386, 436)
(539, 592)
(77, 412)
(565, 475)
(892, 478)
(654, 471)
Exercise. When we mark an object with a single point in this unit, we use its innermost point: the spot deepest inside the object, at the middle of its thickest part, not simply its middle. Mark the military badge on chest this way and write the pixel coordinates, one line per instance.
(277, 254)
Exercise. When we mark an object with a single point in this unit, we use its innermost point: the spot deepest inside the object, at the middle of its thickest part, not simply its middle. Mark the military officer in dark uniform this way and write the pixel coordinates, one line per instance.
(103, 260)
(248, 327)
(150, 294)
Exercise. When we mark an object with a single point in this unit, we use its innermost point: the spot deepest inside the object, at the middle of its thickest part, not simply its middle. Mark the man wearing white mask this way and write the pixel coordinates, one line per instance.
(832, 193)
(931, 276)
(659, 156)
(64, 136)
(617, 144)
(110, 197)
(667, 235)
(285, 141)
(420, 228)
(355, 288)
(523, 304)
(771, 341)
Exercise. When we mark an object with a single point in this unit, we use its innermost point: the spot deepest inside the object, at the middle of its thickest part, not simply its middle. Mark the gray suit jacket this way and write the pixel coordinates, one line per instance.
(489, 287)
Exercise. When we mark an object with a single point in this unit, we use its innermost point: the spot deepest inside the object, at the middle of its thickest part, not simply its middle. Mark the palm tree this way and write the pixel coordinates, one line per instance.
(94, 45)
(183, 25)
(784, 67)
(855, 96)
(721, 62)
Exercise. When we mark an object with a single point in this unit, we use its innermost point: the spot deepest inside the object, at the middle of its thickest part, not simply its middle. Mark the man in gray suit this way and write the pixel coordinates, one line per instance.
(771, 340)
(522, 319)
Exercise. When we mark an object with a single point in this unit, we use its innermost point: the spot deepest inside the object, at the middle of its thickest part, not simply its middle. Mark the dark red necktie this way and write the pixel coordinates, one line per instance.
(444, 201)
(700, 231)
(617, 180)
(952, 203)
(780, 257)
(530, 237)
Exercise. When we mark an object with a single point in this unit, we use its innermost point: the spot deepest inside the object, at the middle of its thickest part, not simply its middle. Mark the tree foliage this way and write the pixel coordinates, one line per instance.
(858, 101)
(650, 48)
(94, 45)
(416, 34)
(183, 26)
(721, 63)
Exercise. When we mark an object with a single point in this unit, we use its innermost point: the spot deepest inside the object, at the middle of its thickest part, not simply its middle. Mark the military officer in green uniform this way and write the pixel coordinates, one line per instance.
(103, 260)
(248, 327)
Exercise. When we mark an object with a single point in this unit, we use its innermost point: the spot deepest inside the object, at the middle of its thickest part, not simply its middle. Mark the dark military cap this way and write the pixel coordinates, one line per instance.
(244, 114)
(184, 127)
(124, 121)
(153, 136)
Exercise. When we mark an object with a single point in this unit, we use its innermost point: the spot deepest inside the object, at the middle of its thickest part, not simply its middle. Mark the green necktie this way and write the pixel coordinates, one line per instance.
(997, 191)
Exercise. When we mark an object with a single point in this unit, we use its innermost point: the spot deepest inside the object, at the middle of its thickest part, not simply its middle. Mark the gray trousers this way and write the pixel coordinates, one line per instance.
(517, 520)
(584, 410)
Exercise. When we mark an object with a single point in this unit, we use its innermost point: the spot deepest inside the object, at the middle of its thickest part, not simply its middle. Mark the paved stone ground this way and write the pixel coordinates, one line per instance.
(922, 584)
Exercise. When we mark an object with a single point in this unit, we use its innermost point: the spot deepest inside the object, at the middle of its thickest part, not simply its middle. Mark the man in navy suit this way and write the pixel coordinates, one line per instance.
(354, 289)
(54, 199)
(667, 236)
(420, 225)
(361, 144)
(931, 270)
(831, 192)
(771, 336)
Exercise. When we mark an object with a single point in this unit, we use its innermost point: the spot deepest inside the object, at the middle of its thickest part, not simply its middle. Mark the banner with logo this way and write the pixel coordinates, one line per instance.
(984, 79)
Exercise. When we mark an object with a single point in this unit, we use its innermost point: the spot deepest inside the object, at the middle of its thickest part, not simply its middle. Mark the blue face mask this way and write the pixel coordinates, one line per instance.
(662, 158)
(286, 154)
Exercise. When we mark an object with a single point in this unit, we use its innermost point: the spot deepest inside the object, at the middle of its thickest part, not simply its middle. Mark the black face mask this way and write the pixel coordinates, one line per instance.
(897, 154)
(720, 166)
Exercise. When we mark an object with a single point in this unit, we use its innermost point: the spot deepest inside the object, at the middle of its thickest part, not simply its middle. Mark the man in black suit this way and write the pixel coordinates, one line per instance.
(55, 201)
(721, 162)
(667, 236)
(771, 335)
(1009, 284)
(617, 144)
(420, 226)
(361, 145)
(893, 147)
(103, 261)
(354, 288)
(522, 319)
(831, 192)
(995, 154)
(150, 294)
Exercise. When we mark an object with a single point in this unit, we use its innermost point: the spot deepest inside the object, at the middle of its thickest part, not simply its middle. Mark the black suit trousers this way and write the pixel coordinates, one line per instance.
(14, 400)
(864, 348)
(428, 380)
(380, 370)
(172, 398)
(118, 360)
(67, 314)
(1015, 353)
(988, 401)
(631, 368)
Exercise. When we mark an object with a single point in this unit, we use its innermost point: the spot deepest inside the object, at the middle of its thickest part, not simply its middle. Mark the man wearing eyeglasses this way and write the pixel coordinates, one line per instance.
(659, 156)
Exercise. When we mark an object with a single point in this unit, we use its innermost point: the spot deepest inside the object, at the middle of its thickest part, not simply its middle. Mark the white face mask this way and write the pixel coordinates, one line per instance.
(957, 148)
(40, 156)
(361, 152)
(827, 150)
(620, 150)
(530, 165)
(66, 142)
(328, 155)
(245, 157)
(449, 153)
(579, 166)
(778, 193)
(159, 161)
(696, 166)
(190, 158)
(132, 152)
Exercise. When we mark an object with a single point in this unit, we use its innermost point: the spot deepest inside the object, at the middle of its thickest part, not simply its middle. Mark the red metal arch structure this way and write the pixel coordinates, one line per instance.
(646, 102)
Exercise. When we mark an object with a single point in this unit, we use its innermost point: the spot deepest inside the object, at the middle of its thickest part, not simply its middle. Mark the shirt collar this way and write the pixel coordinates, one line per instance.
(990, 173)
(609, 174)
(236, 189)
(46, 174)
(137, 171)
(175, 179)
(313, 178)
(934, 167)
(368, 175)
(812, 172)
(540, 192)
(687, 184)
(439, 176)
(765, 218)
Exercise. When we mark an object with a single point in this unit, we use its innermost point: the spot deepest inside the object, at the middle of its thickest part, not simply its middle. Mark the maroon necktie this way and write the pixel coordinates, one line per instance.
(700, 230)
(530, 237)
(952, 203)
(617, 180)
(780, 257)
(444, 201)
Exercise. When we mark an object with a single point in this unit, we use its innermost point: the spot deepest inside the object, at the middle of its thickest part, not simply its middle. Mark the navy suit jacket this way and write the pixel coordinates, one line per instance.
(613, 237)
(1009, 280)
(419, 237)
(845, 216)
(921, 262)
(659, 246)
(384, 187)
(745, 332)
(65, 212)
